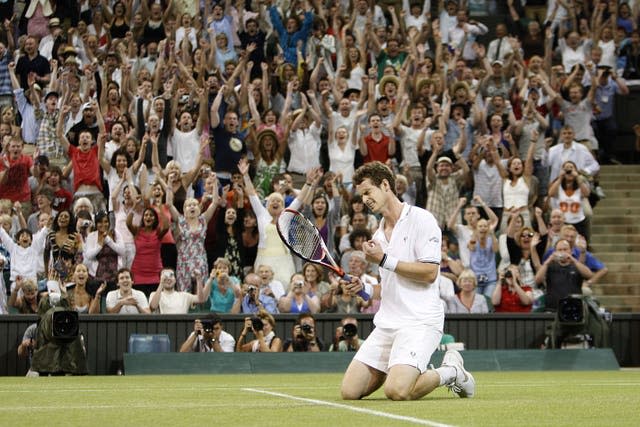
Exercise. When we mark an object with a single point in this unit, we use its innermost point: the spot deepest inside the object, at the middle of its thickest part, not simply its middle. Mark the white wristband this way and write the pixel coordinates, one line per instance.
(390, 263)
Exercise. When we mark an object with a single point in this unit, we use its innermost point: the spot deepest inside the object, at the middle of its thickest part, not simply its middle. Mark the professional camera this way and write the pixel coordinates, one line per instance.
(207, 326)
(349, 330)
(307, 329)
(256, 324)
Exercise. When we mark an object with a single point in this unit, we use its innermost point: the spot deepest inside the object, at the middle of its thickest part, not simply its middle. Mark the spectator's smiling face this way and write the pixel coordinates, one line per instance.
(124, 281)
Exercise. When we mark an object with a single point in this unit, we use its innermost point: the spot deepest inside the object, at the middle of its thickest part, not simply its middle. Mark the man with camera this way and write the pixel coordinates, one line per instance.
(304, 336)
(563, 275)
(169, 301)
(208, 335)
(256, 296)
(347, 336)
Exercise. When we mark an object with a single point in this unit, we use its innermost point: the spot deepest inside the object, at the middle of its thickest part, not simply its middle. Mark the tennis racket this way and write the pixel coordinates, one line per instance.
(304, 240)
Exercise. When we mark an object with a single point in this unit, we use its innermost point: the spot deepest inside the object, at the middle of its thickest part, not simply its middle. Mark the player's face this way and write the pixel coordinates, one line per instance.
(374, 197)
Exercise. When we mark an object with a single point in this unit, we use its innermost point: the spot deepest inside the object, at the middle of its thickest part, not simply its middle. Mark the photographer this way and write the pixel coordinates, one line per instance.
(208, 335)
(512, 295)
(28, 343)
(262, 326)
(347, 338)
(304, 336)
(563, 274)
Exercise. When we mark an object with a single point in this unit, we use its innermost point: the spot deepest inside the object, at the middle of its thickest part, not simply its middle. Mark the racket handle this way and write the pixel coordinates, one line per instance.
(362, 294)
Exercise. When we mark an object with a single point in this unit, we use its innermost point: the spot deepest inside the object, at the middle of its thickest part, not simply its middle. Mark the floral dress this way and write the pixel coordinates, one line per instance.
(192, 257)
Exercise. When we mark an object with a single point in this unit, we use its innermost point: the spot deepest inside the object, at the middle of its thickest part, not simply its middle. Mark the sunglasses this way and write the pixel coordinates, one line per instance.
(527, 234)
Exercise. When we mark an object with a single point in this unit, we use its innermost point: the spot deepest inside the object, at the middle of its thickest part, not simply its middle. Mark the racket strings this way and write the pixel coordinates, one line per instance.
(301, 235)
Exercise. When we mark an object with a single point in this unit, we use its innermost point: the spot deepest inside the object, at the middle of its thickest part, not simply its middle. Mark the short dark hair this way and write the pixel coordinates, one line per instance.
(23, 231)
(359, 232)
(376, 172)
(214, 318)
(124, 270)
(121, 152)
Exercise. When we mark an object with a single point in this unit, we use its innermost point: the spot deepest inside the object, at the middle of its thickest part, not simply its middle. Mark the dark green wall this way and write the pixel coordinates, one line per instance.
(107, 335)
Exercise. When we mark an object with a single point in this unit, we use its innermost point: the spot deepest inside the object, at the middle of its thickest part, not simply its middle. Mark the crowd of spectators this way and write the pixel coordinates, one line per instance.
(148, 148)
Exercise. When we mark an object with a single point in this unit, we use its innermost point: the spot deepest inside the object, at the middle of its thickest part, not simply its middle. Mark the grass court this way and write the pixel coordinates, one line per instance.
(587, 398)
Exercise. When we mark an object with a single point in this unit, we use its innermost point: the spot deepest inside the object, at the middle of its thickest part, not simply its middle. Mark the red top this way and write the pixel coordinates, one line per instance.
(147, 263)
(510, 302)
(377, 150)
(86, 167)
(15, 185)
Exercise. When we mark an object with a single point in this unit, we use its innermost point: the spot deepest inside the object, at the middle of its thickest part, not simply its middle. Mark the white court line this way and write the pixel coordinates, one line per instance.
(351, 408)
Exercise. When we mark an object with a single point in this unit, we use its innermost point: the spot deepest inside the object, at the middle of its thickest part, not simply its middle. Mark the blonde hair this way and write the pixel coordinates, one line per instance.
(275, 195)
(29, 285)
(222, 261)
(467, 273)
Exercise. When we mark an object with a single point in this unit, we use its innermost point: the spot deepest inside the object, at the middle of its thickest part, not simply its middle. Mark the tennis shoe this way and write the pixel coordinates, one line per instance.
(464, 384)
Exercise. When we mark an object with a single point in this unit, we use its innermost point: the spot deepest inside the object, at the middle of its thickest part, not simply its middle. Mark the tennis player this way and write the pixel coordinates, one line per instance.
(410, 320)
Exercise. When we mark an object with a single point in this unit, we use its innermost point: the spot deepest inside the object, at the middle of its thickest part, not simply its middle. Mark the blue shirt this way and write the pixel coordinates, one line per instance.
(605, 99)
(268, 303)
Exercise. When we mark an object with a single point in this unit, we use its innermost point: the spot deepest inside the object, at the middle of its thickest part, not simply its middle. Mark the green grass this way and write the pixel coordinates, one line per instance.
(502, 399)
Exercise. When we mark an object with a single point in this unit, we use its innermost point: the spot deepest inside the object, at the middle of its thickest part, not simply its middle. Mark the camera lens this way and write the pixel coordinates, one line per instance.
(306, 328)
(349, 330)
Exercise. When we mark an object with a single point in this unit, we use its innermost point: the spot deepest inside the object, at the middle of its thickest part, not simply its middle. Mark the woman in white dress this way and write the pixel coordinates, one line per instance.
(271, 250)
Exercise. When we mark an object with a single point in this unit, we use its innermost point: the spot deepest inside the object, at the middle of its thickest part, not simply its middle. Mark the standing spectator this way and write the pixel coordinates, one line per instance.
(208, 336)
(63, 244)
(24, 252)
(33, 62)
(443, 184)
(147, 262)
(483, 246)
(293, 34)
(15, 169)
(126, 300)
(104, 250)
(464, 34)
(191, 227)
(567, 193)
(167, 300)
(608, 85)
(568, 148)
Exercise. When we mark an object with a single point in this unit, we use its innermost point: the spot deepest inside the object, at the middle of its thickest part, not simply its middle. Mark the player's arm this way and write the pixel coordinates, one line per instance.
(422, 272)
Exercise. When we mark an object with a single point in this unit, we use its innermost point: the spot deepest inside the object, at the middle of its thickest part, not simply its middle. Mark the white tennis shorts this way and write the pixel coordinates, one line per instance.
(411, 346)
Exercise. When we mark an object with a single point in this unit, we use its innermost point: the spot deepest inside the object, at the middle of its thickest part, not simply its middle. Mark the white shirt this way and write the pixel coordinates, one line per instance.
(457, 33)
(25, 261)
(91, 249)
(577, 153)
(409, 145)
(305, 149)
(175, 302)
(114, 296)
(579, 116)
(186, 147)
(505, 49)
(416, 237)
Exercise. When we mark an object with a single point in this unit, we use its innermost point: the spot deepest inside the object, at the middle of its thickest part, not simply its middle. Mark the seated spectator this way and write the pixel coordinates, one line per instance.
(299, 298)
(167, 300)
(268, 284)
(313, 279)
(562, 274)
(335, 299)
(208, 336)
(303, 337)
(225, 289)
(255, 296)
(82, 293)
(265, 337)
(512, 295)
(579, 251)
(125, 299)
(346, 338)
(25, 296)
(467, 300)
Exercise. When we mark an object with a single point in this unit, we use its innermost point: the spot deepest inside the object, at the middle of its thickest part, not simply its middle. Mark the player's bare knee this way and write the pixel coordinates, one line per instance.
(397, 393)
(350, 394)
